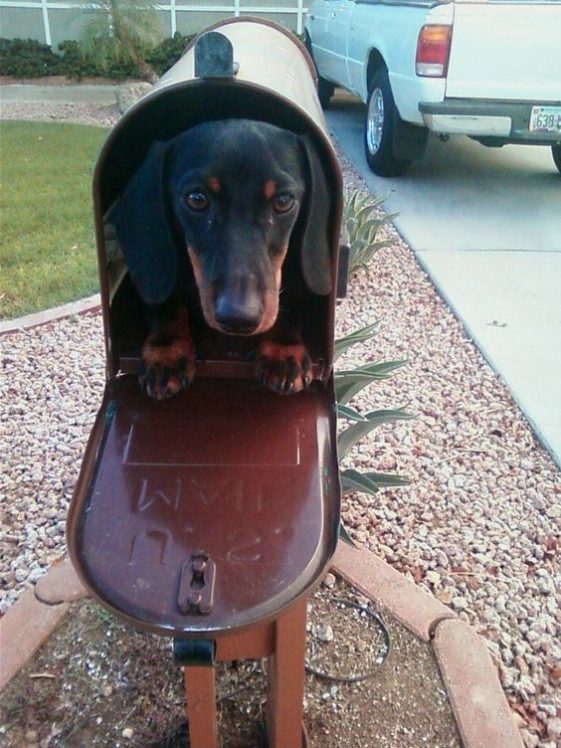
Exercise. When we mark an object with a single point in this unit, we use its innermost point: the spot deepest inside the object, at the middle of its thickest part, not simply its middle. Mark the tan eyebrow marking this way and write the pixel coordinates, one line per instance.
(269, 188)
(214, 185)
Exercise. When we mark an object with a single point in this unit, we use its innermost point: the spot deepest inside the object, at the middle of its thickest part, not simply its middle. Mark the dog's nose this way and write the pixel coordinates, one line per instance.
(238, 319)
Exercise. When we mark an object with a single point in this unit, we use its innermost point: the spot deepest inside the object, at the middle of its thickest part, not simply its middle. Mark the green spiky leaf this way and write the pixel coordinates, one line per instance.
(364, 213)
(351, 225)
(349, 383)
(358, 336)
(344, 535)
(350, 436)
(349, 414)
(370, 483)
(352, 480)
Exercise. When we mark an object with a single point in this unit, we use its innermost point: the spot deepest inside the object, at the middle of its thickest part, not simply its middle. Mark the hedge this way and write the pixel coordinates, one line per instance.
(27, 58)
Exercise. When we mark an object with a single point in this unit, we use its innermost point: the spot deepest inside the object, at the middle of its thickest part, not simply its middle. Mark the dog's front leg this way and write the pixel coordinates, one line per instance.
(283, 361)
(168, 354)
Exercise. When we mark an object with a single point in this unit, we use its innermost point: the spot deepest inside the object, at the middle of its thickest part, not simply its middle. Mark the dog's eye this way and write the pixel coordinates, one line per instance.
(283, 203)
(196, 200)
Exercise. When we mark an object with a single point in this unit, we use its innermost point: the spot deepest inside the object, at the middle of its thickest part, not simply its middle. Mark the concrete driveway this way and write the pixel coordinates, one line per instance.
(486, 225)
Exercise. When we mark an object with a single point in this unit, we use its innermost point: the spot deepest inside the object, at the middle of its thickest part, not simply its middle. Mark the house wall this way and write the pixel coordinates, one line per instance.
(54, 21)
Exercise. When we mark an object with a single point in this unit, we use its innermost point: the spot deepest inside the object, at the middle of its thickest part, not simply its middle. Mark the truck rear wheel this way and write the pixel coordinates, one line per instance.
(325, 92)
(556, 153)
(382, 120)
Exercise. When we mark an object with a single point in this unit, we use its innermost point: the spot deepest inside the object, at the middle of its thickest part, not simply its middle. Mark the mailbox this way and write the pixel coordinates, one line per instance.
(214, 510)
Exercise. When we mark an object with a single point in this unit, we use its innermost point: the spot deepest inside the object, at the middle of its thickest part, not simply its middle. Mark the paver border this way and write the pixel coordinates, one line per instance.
(480, 707)
(482, 713)
(88, 305)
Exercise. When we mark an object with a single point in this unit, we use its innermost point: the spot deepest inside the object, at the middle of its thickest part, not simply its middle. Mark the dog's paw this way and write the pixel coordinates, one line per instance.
(167, 369)
(284, 368)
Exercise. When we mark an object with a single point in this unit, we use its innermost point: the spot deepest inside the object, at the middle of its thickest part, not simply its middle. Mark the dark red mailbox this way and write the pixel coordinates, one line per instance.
(215, 509)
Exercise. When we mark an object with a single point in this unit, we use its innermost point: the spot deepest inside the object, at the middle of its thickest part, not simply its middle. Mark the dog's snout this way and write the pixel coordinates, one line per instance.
(238, 319)
(239, 307)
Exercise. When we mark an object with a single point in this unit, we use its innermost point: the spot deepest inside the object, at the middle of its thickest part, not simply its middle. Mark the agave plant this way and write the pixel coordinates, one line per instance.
(347, 385)
(360, 226)
(361, 223)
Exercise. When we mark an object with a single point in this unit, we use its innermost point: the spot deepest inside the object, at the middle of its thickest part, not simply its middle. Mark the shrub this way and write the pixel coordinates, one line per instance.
(74, 63)
(77, 63)
(27, 58)
(167, 52)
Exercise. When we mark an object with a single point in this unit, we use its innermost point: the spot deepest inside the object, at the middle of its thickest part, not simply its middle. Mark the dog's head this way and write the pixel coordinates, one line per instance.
(241, 192)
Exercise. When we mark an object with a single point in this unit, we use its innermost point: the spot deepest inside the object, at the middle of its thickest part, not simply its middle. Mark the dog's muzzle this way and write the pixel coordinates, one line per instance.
(239, 306)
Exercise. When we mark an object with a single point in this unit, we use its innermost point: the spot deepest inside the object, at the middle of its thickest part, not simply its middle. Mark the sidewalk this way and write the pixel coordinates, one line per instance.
(73, 93)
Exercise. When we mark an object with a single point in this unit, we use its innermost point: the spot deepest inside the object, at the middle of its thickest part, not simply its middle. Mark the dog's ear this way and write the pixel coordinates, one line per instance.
(315, 249)
(142, 224)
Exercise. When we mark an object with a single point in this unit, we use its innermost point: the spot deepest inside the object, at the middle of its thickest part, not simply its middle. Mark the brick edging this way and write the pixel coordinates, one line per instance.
(482, 713)
(378, 581)
(82, 306)
(480, 707)
(35, 615)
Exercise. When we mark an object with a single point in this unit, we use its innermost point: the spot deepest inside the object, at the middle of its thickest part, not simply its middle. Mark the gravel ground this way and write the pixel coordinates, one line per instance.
(479, 526)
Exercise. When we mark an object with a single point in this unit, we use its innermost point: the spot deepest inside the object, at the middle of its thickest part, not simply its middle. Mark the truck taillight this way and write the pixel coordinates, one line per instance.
(433, 51)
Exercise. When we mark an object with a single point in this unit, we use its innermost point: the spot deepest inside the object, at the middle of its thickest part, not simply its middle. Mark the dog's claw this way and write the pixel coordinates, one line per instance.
(285, 369)
(161, 375)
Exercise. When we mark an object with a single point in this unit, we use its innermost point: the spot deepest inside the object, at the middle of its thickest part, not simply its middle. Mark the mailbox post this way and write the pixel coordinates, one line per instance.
(208, 518)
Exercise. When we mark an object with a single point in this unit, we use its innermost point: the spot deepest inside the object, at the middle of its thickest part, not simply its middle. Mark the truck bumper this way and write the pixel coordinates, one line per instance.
(507, 122)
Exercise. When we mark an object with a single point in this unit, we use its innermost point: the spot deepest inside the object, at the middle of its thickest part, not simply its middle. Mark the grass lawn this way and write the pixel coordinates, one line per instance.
(47, 246)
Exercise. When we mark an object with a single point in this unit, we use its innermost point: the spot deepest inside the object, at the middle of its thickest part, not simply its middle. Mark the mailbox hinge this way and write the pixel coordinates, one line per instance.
(188, 652)
(196, 586)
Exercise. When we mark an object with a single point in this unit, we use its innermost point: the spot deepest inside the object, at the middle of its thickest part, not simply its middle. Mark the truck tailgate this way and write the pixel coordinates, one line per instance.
(506, 50)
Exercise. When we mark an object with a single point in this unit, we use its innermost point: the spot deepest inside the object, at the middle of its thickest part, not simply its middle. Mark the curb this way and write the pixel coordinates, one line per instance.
(34, 617)
(82, 306)
(482, 713)
(478, 702)
(30, 93)
(412, 606)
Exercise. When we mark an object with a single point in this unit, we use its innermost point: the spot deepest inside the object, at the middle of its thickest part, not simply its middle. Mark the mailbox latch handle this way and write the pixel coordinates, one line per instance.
(196, 587)
(343, 270)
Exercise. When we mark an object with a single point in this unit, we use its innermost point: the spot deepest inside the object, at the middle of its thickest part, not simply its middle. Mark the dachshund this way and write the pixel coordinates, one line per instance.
(234, 200)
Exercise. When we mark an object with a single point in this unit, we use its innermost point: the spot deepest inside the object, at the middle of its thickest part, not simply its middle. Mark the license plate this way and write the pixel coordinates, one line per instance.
(546, 119)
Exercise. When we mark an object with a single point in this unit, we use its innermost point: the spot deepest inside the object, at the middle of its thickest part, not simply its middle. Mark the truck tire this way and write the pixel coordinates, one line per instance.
(326, 89)
(325, 92)
(556, 153)
(382, 120)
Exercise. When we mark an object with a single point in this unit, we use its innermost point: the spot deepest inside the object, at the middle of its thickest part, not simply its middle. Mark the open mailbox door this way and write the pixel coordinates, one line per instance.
(216, 509)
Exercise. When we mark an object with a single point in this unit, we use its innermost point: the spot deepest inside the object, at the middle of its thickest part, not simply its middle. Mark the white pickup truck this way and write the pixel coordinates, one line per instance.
(490, 69)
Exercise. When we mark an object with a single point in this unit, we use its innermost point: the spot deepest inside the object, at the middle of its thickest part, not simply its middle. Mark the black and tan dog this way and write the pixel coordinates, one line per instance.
(241, 200)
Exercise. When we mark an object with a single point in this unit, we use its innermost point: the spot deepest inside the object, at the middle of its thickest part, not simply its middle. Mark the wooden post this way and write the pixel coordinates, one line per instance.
(200, 692)
(286, 676)
(283, 642)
